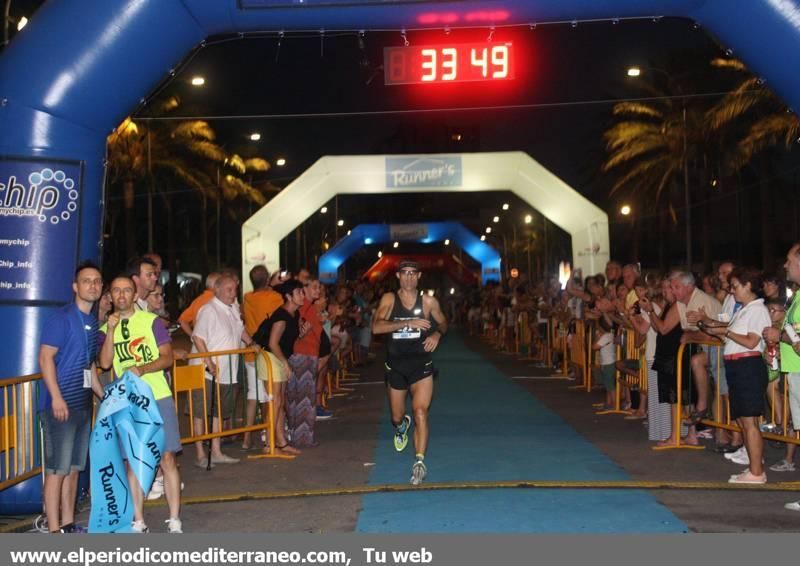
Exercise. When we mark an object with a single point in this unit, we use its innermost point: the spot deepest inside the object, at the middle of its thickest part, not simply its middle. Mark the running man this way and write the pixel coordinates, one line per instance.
(415, 325)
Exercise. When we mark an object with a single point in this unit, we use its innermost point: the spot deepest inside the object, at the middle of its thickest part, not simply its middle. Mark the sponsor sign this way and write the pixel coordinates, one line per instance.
(405, 232)
(415, 172)
(39, 229)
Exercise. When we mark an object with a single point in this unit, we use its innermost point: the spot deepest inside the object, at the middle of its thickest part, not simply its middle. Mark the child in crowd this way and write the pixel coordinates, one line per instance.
(607, 348)
(777, 311)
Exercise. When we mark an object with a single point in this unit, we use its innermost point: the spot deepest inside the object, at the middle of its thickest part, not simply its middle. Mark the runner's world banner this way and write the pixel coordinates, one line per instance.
(416, 172)
(39, 228)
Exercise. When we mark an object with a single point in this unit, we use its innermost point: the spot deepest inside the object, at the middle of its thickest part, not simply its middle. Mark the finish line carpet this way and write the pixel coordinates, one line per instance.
(486, 428)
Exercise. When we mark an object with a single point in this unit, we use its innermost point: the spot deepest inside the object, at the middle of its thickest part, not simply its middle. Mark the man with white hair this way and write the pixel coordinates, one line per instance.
(693, 304)
(219, 327)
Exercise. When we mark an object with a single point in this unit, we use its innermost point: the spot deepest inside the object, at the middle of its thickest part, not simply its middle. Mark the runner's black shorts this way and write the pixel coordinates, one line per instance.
(403, 373)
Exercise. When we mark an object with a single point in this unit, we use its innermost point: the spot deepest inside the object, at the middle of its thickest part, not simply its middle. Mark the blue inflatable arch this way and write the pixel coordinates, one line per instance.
(426, 233)
(81, 66)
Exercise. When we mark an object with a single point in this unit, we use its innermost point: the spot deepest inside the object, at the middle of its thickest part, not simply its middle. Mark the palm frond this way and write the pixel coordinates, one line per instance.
(256, 164)
(236, 163)
(645, 169)
(636, 109)
(732, 64)
(194, 130)
(206, 149)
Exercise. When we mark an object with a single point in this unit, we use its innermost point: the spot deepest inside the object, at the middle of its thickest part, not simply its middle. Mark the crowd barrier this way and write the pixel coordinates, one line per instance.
(20, 440)
(583, 361)
(721, 407)
(20, 428)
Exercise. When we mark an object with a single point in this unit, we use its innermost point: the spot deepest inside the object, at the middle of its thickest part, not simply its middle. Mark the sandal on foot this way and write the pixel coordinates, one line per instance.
(698, 416)
(288, 449)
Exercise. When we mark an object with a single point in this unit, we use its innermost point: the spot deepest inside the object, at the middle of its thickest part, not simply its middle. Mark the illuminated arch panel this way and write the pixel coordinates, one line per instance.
(375, 174)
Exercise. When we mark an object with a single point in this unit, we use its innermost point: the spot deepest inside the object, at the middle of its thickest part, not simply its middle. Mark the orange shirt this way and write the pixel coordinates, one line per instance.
(258, 306)
(190, 314)
(309, 344)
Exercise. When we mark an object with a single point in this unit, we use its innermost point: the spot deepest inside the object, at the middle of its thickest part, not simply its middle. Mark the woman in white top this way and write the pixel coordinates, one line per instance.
(745, 368)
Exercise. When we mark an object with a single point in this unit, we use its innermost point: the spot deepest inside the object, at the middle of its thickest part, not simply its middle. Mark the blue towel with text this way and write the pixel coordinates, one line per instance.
(128, 427)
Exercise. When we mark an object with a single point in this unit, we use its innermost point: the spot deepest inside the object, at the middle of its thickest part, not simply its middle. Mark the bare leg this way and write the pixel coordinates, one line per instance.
(69, 492)
(250, 420)
(397, 403)
(421, 396)
(136, 495)
(700, 374)
(172, 484)
(754, 443)
(52, 500)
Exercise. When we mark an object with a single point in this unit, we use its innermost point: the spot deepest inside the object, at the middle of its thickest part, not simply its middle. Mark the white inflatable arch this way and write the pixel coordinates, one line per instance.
(450, 174)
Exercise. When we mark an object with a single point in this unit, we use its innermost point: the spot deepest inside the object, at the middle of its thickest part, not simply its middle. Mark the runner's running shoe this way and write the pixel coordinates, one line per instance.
(401, 434)
(418, 472)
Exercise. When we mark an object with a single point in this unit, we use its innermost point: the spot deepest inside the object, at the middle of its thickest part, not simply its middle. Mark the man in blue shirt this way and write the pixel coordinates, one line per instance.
(66, 358)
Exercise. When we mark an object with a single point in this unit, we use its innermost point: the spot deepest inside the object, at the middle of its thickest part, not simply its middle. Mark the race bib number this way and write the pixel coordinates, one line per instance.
(407, 334)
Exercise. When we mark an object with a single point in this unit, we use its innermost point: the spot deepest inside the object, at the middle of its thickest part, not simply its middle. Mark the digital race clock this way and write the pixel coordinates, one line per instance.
(437, 64)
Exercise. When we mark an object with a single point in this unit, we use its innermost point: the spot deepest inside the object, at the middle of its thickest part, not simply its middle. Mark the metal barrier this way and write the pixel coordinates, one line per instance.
(627, 349)
(20, 444)
(191, 377)
(721, 412)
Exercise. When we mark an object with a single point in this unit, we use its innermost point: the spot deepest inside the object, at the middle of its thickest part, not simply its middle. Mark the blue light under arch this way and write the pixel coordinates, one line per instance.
(424, 233)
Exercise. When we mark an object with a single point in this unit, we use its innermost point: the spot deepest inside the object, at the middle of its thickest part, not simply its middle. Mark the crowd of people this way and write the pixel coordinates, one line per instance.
(300, 328)
(739, 328)
(741, 337)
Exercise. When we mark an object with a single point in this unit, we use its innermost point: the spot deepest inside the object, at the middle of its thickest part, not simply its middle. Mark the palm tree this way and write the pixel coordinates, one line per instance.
(155, 154)
(660, 149)
(772, 124)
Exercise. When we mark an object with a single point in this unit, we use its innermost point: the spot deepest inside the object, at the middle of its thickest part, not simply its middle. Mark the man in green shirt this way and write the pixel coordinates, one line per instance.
(790, 355)
(134, 340)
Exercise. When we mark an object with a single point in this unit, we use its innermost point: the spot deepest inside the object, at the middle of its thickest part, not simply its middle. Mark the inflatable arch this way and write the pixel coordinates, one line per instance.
(449, 174)
(426, 233)
(81, 66)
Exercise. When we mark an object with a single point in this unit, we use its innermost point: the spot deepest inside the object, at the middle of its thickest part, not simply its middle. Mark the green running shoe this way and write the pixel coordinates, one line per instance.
(401, 434)
(418, 472)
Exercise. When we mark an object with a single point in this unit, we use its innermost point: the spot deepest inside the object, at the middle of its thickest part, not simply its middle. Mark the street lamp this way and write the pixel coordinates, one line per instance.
(280, 162)
(255, 136)
(198, 81)
(505, 206)
(528, 218)
(323, 210)
(625, 210)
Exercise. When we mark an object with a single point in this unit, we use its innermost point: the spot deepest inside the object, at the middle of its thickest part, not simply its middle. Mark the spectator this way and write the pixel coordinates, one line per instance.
(129, 325)
(257, 306)
(219, 327)
(66, 358)
(277, 335)
(745, 371)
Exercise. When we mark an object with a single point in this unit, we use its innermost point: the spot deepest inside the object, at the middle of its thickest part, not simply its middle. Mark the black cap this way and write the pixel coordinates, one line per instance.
(408, 264)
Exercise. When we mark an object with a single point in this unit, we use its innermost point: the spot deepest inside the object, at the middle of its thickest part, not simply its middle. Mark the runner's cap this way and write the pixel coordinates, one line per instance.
(407, 264)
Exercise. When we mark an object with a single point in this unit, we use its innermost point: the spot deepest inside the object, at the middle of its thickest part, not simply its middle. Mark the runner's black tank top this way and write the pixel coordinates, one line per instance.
(407, 341)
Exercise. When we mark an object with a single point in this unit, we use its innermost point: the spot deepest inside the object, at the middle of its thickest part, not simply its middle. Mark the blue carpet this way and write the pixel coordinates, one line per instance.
(486, 428)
